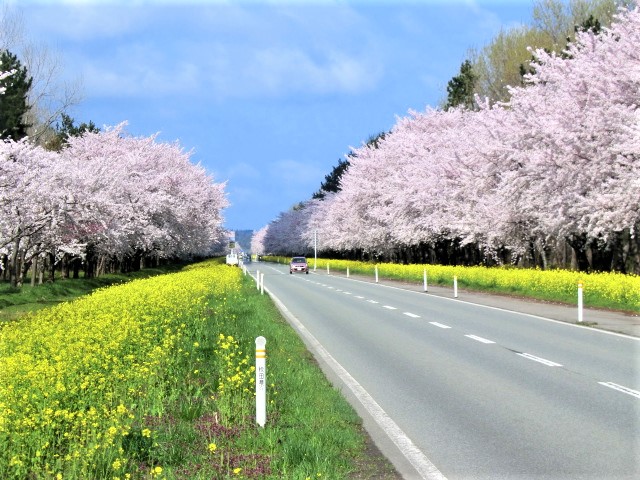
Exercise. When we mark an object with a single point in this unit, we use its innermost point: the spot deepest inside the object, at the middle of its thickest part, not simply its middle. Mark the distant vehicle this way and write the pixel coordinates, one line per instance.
(232, 259)
(299, 264)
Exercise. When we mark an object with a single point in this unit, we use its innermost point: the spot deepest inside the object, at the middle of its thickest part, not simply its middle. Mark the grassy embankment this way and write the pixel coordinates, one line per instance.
(14, 302)
(155, 379)
(601, 290)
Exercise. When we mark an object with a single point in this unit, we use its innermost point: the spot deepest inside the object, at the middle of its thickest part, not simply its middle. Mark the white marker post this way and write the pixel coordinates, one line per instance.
(315, 249)
(262, 284)
(424, 281)
(455, 287)
(258, 279)
(347, 272)
(376, 273)
(261, 381)
(328, 269)
(580, 301)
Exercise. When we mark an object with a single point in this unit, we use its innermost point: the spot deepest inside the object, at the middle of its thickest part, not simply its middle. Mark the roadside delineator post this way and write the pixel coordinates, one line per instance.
(262, 283)
(424, 281)
(376, 273)
(328, 269)
(258, 279)
(261, 381)
(347, 272)
(455, 287)
(580, 303)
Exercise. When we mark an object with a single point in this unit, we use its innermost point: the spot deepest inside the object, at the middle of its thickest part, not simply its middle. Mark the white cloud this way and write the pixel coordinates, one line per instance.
(280, 71)
(242, 170)
(296, 174)
(220, 51)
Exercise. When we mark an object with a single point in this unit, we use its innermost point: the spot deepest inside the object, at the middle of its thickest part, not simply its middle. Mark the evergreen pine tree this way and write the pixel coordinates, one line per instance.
(460, 89)
(14, 104)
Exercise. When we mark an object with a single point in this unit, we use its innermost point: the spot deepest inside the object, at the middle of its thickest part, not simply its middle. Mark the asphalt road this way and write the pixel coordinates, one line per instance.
(450, 389)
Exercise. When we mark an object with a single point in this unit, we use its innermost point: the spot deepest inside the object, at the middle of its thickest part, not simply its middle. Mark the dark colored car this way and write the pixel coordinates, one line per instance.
(299, 264)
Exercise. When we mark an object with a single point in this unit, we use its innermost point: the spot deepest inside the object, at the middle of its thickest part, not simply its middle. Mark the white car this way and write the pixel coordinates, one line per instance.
(232, 259)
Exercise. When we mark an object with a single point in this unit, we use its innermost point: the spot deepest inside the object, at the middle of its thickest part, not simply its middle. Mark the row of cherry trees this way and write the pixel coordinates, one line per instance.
(555, 168)
(106, 197)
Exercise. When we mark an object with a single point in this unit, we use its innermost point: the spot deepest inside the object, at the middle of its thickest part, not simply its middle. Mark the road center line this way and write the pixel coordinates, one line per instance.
(425, 469)
(544, 361)
(479, 339)
(389, 307)
(359, 296)
(620, 388)
(412, 315)
(372, 301)
(440, 325)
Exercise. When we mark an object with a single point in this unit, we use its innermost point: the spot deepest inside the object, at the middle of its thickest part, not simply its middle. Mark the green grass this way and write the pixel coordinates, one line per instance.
(311, 431)
(14, 302)
(192, 415)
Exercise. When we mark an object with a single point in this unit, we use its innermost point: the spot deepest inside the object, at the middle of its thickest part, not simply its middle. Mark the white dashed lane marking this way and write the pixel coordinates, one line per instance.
(479, 339)
(440, 325)
(620, 388)
(544, 361)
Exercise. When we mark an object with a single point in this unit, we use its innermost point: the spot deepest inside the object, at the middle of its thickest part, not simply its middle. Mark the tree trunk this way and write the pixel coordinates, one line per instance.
(76, 267)
(13, 264)
(579, 245)
(34, 270)
(5, 267)
(64, 266)
(23, 267)
(52, 266)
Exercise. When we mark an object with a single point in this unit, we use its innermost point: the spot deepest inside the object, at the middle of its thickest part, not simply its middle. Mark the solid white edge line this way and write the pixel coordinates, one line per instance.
(621, 388)
(424, 467)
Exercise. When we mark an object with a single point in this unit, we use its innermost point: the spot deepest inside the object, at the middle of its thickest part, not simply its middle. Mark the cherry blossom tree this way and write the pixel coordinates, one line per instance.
(257, 241)
(558, 163)
(578, 157)
(106, 196)
(140, 196)
(284, 234)
(32, 202)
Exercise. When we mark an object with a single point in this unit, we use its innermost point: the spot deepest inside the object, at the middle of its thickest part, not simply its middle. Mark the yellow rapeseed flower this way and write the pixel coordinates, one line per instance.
(112, 346)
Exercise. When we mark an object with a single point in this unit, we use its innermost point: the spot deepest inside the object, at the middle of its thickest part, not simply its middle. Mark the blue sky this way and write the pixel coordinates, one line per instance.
(269, 95)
